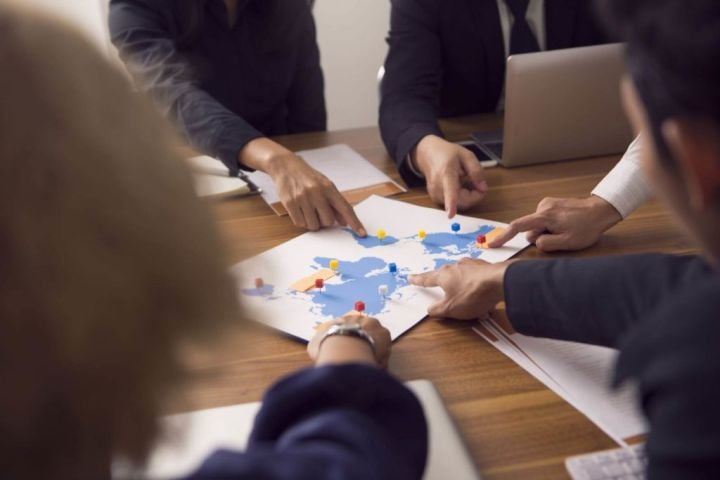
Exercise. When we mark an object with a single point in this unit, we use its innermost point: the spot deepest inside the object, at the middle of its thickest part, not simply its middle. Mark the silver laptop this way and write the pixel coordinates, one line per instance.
(560, 105)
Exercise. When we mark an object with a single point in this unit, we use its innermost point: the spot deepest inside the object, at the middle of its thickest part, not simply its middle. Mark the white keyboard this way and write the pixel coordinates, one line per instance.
(619, 464)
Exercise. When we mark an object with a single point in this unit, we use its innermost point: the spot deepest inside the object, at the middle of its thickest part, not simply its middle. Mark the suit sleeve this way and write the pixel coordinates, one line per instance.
(592, 300)
(336, 422)
(411, 85)
(143, 38)
(306, 102)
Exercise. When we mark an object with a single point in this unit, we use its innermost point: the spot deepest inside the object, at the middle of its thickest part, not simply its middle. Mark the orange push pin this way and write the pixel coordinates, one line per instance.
(259, 283)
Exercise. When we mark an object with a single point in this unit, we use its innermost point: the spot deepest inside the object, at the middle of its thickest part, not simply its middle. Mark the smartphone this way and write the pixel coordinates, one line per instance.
(482, 157)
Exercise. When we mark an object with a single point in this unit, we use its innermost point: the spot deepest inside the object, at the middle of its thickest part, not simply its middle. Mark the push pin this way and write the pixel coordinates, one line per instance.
(334, 264)
(381, 234)
(359, 306)
(383, 291)
(320, 284)
(259, 283)
(393, 268)
(481, 240)
(422, 234)
(455, 227)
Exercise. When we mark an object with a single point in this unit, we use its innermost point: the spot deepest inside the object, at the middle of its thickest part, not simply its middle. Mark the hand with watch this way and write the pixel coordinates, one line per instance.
(353, 338)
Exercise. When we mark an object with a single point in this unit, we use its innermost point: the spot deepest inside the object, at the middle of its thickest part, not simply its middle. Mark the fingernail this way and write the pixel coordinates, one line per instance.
(484, 186)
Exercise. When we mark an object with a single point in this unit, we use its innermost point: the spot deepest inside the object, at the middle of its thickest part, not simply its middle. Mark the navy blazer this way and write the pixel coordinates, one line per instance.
(348, 422)
(225, 86)
(663, 313)
(447, 59)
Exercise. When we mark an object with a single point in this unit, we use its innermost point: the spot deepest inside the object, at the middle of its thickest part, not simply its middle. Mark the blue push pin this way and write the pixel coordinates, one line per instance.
(455, 227)
(393, 268)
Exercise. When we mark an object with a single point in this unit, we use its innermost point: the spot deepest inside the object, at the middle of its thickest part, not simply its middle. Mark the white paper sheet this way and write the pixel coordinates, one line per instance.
(363, 267)
(347, 169)
(579, 373)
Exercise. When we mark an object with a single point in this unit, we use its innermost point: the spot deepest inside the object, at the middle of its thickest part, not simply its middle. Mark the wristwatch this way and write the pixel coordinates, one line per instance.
(348, 330)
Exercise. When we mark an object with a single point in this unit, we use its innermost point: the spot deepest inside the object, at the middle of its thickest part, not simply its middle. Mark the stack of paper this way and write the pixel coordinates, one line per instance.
(579, 373)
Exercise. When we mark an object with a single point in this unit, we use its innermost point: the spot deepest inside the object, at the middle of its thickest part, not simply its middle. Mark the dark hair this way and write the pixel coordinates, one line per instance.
(673, 57)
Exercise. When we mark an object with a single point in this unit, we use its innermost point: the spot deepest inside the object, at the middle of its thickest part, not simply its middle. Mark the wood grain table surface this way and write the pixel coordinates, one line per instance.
(514, 426)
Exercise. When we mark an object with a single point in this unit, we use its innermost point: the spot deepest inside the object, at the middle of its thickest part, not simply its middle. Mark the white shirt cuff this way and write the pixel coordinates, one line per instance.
(412, 167)
(625, 187)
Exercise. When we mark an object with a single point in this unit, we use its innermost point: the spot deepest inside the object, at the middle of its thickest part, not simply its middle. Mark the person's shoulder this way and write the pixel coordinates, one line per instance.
(680, 338)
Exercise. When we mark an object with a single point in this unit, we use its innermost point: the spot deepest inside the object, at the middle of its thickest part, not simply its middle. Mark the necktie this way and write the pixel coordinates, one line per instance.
(522, 38)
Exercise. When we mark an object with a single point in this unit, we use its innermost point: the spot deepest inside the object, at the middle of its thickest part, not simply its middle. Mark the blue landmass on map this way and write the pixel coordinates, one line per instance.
(264, 291)
(453, 243)
(372, 241)
(359, 281)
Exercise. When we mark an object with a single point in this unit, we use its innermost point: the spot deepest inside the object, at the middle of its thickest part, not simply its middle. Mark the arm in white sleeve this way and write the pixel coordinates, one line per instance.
(625, 187)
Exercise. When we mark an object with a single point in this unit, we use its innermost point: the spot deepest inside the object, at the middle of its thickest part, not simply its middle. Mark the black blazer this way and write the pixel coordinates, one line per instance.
(447, 58)
(662, 313)
(224, 87)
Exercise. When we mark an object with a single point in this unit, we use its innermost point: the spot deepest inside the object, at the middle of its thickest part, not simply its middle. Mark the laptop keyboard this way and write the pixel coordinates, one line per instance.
(619, 464)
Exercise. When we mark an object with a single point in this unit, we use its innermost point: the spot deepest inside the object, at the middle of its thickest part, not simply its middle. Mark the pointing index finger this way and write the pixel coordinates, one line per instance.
(530, 222)
(346, 211)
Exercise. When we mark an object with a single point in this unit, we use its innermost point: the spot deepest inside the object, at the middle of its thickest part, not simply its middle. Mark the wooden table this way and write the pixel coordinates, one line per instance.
(515, 427)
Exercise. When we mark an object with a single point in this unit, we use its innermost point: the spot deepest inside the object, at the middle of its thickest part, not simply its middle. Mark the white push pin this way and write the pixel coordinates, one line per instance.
(383, 291)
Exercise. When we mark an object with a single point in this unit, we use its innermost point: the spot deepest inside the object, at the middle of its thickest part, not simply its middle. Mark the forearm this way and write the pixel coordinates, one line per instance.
(592, 300)
(358, 414)
(411, 85)
(163, 74)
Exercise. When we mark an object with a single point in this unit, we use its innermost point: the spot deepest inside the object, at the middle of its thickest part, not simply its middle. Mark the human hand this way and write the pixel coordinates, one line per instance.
(472, 288)
(454, 175)
(563, 224)
(310, 198)
(346, 349)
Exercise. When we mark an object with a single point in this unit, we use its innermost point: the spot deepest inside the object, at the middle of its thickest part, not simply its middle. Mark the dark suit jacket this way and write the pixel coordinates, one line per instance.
(228, 86)
(447, 58)
(349, 422)
(663, 313)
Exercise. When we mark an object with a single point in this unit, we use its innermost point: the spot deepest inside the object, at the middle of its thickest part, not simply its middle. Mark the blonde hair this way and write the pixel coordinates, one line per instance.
(109, 262)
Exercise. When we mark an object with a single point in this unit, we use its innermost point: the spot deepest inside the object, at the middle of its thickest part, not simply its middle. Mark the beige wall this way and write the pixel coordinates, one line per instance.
(88, 15)
(351, 35)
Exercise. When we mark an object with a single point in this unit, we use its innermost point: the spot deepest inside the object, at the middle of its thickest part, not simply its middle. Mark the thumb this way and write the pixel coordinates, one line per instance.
(474, 171)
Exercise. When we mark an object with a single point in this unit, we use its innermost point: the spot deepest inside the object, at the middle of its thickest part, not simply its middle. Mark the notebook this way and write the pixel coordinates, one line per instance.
(202, 432)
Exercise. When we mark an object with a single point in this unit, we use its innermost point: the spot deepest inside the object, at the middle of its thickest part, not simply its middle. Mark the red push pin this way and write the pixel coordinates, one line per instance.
(359, 306)
(481, 239)
(259, 283)
(319, 283)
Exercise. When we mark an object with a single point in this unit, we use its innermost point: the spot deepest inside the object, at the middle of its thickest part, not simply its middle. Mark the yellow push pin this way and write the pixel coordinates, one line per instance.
(334, 264)
(381, 235)
(422, 234)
